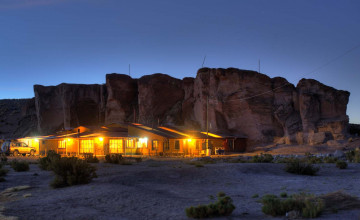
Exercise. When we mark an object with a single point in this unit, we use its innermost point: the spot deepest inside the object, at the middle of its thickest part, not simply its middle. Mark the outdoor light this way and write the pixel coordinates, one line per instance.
(143, 140)
(189, 140)
(101, 139)
(68, 139)
(36, 140)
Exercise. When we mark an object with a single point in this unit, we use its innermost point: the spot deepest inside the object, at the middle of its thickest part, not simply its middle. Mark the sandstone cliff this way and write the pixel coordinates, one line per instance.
(17, 118)
(69, 105)
(238, 102)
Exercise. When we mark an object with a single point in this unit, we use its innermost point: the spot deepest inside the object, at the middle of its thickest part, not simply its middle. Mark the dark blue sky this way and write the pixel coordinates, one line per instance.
(78, 41)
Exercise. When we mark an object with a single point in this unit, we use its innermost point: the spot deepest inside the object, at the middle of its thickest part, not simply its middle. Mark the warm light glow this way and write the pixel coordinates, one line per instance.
(68, 139)
(212, 135)
(101, 139)
(36, 140)
(143, 140)
(189, 140)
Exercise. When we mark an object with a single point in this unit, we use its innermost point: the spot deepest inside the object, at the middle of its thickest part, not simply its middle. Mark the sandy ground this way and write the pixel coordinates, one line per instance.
(162, 189)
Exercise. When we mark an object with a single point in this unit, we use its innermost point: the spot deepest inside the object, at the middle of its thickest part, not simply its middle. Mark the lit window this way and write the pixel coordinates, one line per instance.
(197, 145)
(116, 146)
(177, 145)
(62, 144)
(155, 145)
(86, 146)
(166, 145)
(130, 143)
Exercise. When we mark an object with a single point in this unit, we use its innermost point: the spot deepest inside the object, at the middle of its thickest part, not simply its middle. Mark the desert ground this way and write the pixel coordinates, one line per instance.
(161, 188)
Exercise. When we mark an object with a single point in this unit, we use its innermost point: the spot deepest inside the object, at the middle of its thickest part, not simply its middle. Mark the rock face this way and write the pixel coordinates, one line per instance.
(122, 98)
(252, 104)
(17, 118)
(160, 99)
(236, 102)
(69, 105)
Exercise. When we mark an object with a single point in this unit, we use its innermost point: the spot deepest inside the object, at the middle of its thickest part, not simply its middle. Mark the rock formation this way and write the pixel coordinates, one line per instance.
(69, 105)
(237, 102)
(17, 118)
(122, 98)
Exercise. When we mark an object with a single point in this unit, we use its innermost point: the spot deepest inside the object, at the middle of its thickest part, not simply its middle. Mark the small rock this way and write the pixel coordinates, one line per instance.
(293, 214)
(27, 195)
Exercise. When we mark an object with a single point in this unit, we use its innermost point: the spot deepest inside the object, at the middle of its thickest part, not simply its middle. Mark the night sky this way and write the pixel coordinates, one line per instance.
(78, 41)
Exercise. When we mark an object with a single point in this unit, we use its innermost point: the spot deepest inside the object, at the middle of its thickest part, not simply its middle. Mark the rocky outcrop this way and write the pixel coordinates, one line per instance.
(160, 100)
(235, 102)
(122, 98)
(323, 109)
(248, 103)
(17, 118)
(69, 105)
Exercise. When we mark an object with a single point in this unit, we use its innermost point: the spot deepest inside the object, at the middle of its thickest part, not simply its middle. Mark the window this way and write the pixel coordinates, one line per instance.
(86, 146)
(62, 144)
(130, 143)
(166, 145)
(197, 145)
(155, 145)
(116, 146)
(177, 145)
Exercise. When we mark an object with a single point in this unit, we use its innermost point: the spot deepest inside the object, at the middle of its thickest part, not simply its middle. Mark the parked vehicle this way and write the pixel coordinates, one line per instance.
(16, 148)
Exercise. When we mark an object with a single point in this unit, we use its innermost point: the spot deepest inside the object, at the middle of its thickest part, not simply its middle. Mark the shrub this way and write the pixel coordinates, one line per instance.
(310, 158)
(3, 173)
(91, 159)
(138, 159)
(263, 158)
(3, 158)
(45, 162)
(330, 160)
(113, 158)
(20, 166)
(313, 207)
(298, 167)
(283, 195)
(223, 207)
(341, 164)
(255, 196)
(353, 155)
(308, 205)
(71, 171)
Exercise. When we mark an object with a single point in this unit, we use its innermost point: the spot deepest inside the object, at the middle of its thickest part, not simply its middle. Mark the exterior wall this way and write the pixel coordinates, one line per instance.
(146, 149)
(46, 145)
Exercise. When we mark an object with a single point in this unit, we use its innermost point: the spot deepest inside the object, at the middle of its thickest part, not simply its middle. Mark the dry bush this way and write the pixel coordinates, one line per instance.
(297, 166)
(89, 158)
(20, 166)
(262, 158)
(223, 207)
(341, 164)
(71, 171)
(45, 163)
(307, 205)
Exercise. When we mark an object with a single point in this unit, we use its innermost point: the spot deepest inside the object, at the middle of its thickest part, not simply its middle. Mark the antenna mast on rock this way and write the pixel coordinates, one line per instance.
(259, 66)
(129, 69)
(202, 65)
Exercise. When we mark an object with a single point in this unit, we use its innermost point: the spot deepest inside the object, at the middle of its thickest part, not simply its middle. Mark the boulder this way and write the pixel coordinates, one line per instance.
(318, 138)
